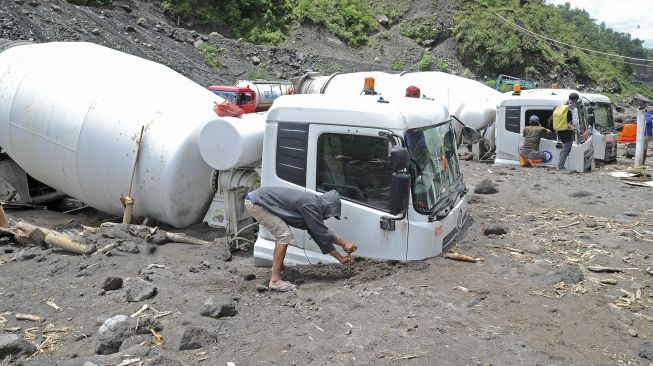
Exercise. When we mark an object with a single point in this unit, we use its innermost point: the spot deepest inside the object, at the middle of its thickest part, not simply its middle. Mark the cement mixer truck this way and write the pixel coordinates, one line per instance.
(393, 160)
(471, 104)
(253, 95)
(514, 111)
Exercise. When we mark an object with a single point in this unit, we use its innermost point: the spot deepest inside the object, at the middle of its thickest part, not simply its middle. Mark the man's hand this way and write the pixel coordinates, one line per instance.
(346, 260)
(346, 246)
(341, 258)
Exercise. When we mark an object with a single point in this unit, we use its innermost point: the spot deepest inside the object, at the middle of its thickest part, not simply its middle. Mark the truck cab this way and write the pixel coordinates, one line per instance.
(604, 136)
(517, 107)
(316, 143)
(244, 97)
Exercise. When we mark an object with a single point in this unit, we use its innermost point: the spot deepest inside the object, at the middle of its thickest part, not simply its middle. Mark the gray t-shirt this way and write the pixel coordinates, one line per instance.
(302, 210)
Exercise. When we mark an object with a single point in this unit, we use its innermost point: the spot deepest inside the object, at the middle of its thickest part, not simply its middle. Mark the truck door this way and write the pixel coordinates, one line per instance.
(356, 163)
(509, 134)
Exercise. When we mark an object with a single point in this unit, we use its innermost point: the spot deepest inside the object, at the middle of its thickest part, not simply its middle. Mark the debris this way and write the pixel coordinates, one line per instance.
(128, 201)
(461, 257)
(601, 269)
(34, 318)
(54, 239)
(167, 236)
(461, 288)
(608, 281)
(155, 265)
(105, 249)
(140, 311)
(52, 304)
(158, 338)
(622, 174)
(569, 225)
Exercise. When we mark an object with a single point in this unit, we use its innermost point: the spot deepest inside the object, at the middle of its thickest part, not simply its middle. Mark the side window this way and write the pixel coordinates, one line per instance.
(546, 119)
(513, 116)
(292, 142)
(358, 167)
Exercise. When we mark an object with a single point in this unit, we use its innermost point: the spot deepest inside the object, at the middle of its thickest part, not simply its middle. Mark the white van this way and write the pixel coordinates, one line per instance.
(517, 107)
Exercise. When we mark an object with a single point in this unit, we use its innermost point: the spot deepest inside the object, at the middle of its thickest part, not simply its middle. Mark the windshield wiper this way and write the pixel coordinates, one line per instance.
(439, 206)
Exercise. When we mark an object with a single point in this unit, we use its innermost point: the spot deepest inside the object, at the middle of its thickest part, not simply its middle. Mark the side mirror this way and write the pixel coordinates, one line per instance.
(471, 135)
(399, 158)
(399, 193)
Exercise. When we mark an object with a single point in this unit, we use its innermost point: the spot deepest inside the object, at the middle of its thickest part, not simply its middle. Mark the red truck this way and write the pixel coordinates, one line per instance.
(253, 96)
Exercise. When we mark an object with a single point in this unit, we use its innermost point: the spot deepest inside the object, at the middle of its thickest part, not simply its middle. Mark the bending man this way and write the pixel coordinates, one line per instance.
(277, 208)
(529, 152)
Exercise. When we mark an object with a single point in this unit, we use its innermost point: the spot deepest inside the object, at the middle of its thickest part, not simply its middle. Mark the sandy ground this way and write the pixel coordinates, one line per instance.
(531, 300)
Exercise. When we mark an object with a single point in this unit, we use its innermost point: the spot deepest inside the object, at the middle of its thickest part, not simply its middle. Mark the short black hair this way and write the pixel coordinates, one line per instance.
(573, 96)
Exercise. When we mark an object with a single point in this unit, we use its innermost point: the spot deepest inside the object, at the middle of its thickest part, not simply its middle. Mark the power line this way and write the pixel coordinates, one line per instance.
(536, 35)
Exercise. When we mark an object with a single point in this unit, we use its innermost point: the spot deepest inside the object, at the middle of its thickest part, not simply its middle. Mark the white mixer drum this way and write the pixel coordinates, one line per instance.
(70, 116)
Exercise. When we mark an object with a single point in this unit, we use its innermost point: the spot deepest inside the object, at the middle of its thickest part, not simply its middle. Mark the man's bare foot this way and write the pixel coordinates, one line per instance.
(281, 286)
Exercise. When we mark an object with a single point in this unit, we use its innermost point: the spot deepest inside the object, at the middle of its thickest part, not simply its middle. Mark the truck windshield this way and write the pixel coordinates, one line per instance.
(603, 116)
(436, 178)
(228, 95)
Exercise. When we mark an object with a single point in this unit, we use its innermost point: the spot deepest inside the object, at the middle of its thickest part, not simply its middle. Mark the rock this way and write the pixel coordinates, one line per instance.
(19, 2)
(646, 351)
(137, 351)
(632, 332)
(249, 277)
(218, 309)
(581, 194)
(55, 7)
(534, 249)
(138, 289)
(27, 254)
(130, 247)
(126, 8)
(204, 38)
(215, 35)
(15, 346)
(142, 22)
(195, 337)
(158, 28)
(206, 264)
(261, 288)
(474, 198)
(255, 60)
(495, 229)
(222, 250)
(34, 3)
(198, 43)
(300, 55)
(569, 273)
(383, 20)
(144, 323)
(111, 334)
(130, 29)
(112, 283)
(163, 361)
(41, 360)
(486, 186)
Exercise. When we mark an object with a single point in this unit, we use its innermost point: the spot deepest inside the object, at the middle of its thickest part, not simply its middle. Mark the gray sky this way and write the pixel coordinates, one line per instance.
(620, 15)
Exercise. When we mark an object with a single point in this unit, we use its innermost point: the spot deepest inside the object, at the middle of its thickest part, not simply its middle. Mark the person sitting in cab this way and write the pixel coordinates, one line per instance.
(529, 152)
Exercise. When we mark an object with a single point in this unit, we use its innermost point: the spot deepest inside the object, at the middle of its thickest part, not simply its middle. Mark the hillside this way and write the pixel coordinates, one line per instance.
(385, 35)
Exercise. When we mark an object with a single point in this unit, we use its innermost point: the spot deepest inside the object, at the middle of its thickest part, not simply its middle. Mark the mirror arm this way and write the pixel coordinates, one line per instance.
(390, 135)
(458, 120)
